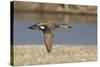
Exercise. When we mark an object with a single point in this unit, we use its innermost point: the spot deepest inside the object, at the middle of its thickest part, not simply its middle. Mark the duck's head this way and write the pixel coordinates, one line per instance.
(64, 26)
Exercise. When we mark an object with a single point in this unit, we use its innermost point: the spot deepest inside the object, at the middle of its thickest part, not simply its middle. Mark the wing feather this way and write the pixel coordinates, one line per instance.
(48, 40)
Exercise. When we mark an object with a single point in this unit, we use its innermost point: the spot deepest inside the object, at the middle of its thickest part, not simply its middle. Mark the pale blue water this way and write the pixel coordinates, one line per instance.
(80, 33)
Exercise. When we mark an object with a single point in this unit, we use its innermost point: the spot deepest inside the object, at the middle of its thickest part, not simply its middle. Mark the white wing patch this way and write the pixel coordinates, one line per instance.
(42, 27)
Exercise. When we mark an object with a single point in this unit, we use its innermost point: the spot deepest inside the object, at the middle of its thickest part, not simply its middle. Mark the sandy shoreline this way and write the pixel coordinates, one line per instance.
(37, 54)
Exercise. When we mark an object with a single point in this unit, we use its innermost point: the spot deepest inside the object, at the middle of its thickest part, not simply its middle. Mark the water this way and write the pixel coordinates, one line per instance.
(80, 33)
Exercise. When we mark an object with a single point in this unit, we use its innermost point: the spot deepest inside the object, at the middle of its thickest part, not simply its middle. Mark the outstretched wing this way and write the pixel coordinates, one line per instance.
(36, 26)
(48, 40)
(40, 24)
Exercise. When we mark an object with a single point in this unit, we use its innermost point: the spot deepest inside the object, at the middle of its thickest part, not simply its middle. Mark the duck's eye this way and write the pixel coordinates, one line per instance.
(42, 27)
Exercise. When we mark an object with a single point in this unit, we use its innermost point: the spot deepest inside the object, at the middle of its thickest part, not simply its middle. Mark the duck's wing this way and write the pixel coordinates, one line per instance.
(40, 24)
(36, 26)
(48, 40)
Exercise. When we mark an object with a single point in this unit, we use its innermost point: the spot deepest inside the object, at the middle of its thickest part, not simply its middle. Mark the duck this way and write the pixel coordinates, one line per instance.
(47, 29)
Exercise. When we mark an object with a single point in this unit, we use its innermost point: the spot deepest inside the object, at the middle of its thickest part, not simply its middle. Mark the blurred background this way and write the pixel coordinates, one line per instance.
(83, 20)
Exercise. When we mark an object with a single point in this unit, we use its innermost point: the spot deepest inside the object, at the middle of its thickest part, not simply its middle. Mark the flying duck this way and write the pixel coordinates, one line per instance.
(47, 29)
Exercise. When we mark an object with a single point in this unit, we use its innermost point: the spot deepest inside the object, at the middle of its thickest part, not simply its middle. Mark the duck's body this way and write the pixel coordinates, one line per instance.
(47, 29)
